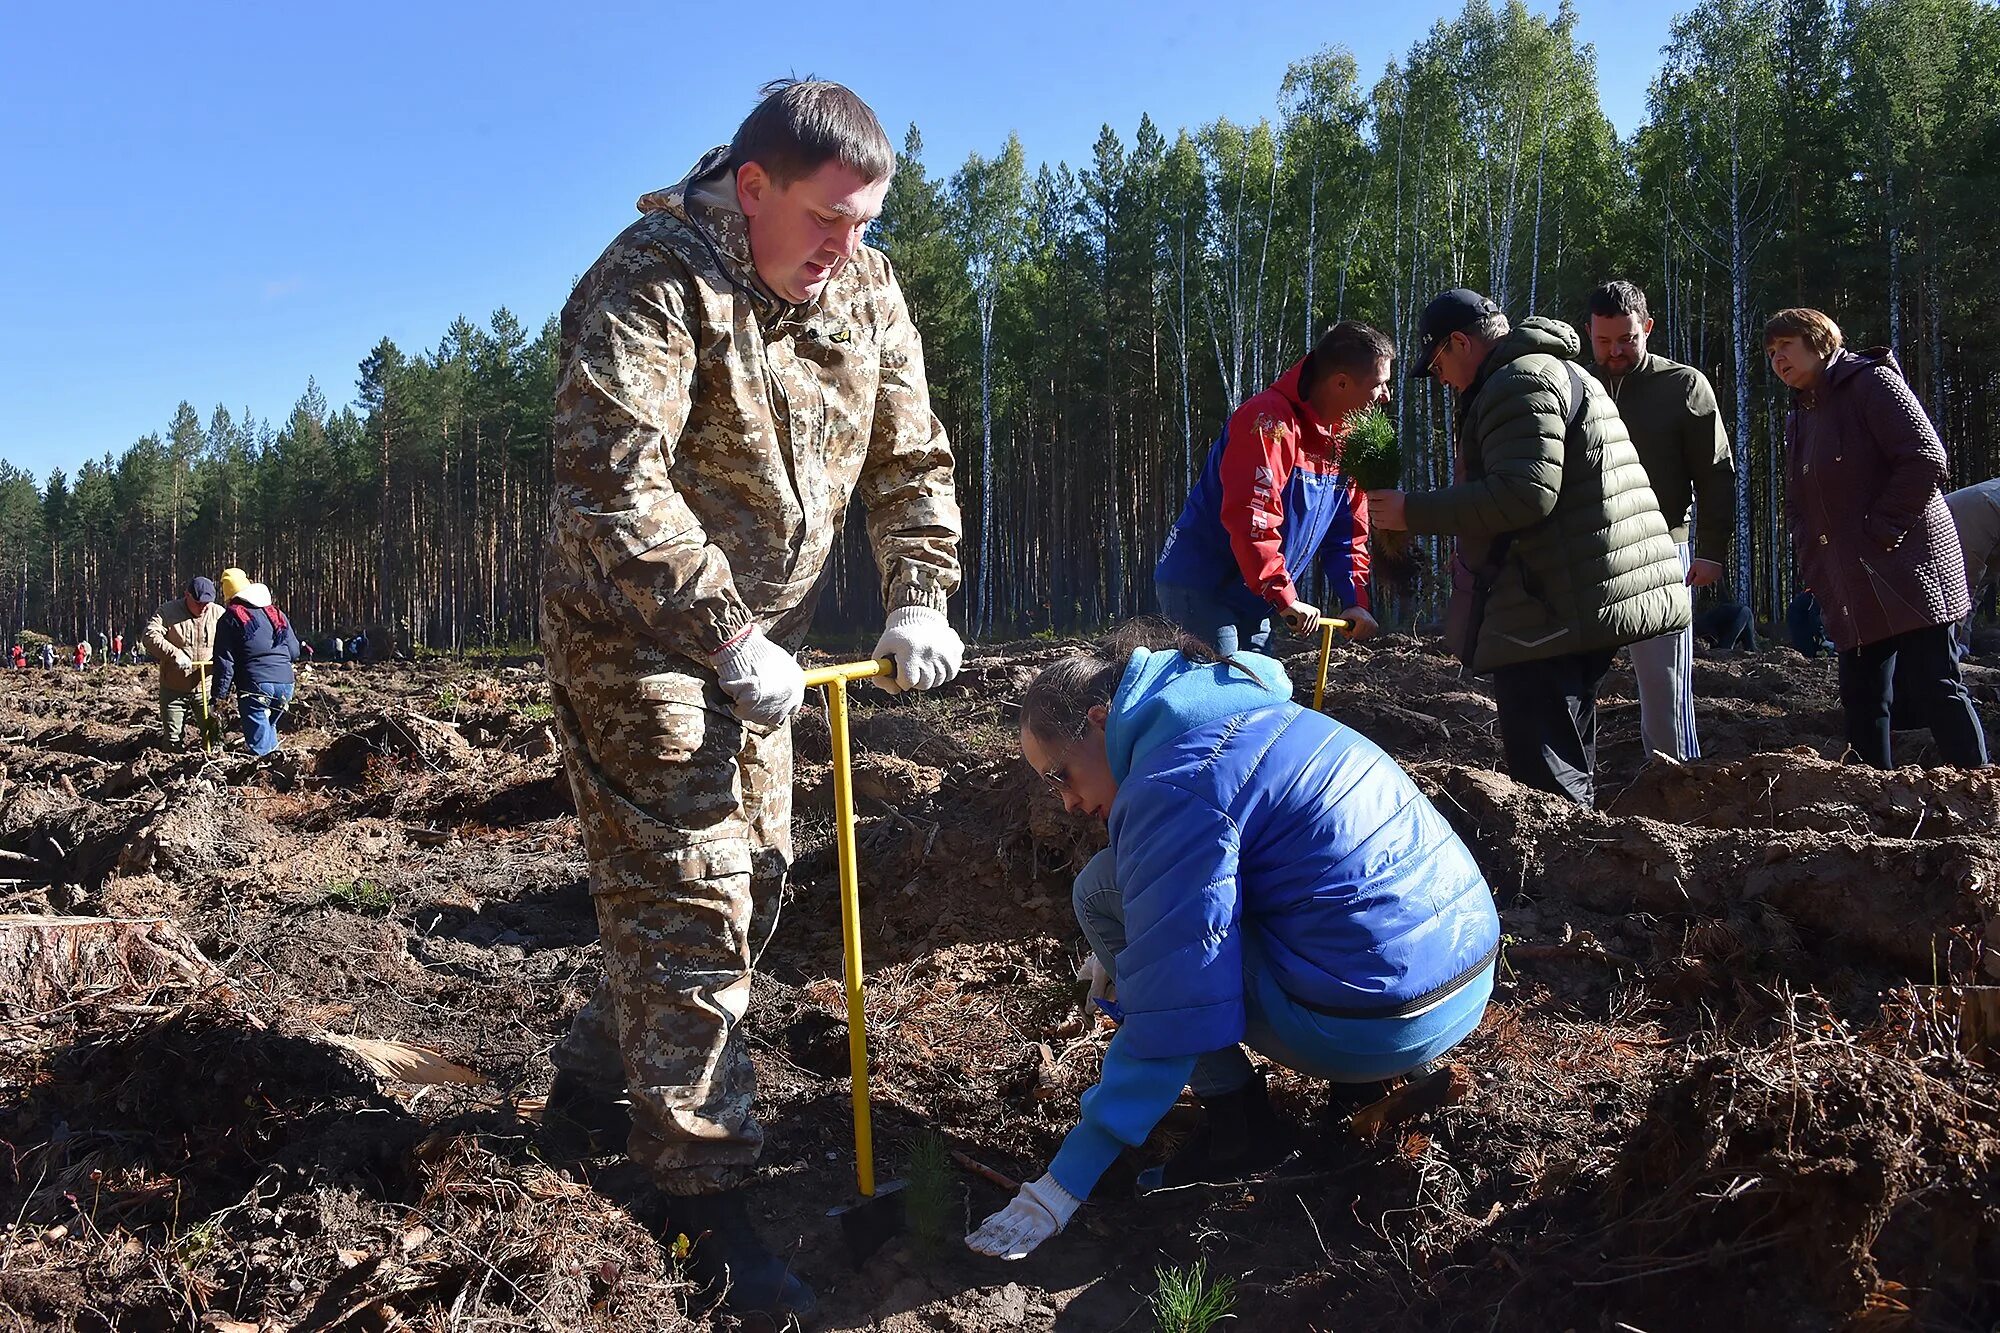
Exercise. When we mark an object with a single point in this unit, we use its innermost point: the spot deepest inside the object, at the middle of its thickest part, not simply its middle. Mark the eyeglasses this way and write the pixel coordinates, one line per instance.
(1431, 367)
(1057, 774)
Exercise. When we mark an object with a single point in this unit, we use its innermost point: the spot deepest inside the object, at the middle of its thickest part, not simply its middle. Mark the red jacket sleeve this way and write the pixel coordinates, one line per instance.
(1256, 463)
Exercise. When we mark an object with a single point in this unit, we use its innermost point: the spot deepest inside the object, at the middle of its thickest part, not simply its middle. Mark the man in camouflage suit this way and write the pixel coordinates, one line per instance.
(735, 366)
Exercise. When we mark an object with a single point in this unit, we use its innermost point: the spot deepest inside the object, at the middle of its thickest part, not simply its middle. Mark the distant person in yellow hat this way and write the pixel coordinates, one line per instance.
(255, 647)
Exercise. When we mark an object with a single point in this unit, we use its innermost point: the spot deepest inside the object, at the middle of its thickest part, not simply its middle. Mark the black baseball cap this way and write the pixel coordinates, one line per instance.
(1449, 312)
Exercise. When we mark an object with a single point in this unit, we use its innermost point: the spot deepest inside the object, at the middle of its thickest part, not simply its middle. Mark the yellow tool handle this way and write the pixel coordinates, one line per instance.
(835, 679)
(846, 671)
(1326, 628)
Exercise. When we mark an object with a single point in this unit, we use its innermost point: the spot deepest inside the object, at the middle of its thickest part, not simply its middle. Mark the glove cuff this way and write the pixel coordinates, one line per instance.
(905, 617)
(1053, 1199)
(738, 651)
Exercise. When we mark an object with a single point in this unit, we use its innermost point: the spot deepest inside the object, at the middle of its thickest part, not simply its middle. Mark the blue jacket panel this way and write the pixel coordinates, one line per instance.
(1239, 812)
(253, 648)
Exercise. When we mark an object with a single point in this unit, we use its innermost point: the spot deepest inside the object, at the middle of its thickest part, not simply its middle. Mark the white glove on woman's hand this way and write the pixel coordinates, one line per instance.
(1041, 1209)
(761, 679)
(926, 648)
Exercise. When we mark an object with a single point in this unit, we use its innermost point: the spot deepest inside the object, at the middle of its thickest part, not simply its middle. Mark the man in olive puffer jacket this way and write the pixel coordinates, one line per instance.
(1569, 540)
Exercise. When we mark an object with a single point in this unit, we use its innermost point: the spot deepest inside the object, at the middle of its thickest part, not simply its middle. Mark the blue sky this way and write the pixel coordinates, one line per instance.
(216, 201)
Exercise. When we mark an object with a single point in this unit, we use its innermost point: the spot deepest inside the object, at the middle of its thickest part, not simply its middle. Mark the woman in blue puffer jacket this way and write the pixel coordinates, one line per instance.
(1273, 878)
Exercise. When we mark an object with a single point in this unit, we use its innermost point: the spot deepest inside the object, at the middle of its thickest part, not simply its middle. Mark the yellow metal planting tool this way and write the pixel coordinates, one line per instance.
(1326, 629)
(204, 710)
(877, 1214)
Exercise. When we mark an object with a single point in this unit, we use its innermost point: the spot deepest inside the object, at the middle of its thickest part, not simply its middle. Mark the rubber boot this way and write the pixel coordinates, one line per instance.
(579, 1110)
(729, 1262)
(1240, 1136)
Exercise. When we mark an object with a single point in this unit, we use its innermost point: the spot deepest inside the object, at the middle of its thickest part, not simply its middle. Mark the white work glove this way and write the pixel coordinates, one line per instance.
(1302, 618)
(182, 661)
(1360, 625)
(926, 648)
(1103, 987)
(1041, 1209)
(762, 680)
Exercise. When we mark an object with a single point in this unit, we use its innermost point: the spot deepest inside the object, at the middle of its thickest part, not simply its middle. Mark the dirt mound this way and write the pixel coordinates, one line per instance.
(203, 829)
(1924, 909)
(1717, 1086)
(1817, 1146)
(1798, 790)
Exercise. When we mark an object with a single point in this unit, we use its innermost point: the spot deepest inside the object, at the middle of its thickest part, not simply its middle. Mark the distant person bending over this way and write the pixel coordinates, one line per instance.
(1273, 879)
(1873, 537)
(1804, 625)
(357, 647)
(1725, 624)
(254, 651)
(1272, 496)
(181, 638)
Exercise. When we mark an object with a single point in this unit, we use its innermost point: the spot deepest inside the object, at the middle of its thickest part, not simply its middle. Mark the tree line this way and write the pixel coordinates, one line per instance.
(1088, 326)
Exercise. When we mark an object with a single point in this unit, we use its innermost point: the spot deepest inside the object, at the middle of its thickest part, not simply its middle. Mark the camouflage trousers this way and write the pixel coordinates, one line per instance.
(686, 815)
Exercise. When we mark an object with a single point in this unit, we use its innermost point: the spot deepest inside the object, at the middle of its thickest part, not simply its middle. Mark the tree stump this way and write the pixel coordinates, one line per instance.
(49, 962)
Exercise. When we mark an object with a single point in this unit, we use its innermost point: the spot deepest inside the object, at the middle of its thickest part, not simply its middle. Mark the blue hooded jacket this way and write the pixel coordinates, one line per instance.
(1245, 823)
(253, 649)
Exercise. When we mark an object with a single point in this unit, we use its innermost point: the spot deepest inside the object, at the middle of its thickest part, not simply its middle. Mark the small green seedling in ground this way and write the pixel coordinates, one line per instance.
(447, 699)
(191, 1247)
(1185, 1301)
(540, 710)
(361, 895)
(927, 1193)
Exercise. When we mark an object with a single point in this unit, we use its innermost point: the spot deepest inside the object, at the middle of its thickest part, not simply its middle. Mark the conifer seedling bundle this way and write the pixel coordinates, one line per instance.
(1373, 457)
(1370, 453)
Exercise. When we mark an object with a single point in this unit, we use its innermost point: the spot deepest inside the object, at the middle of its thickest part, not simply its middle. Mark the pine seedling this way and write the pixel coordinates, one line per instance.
(927, 1193)
(1185, 1301)
(1370, 454)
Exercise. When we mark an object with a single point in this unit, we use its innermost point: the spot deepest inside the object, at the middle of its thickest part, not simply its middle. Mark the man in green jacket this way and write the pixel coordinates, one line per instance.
(1553, 512)
(1670, 412)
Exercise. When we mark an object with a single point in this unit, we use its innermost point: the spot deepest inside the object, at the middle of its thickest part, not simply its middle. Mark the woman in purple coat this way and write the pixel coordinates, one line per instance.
(1874, 540)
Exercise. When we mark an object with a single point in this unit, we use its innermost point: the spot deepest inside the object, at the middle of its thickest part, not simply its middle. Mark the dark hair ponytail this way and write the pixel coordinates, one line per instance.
(1057, 705)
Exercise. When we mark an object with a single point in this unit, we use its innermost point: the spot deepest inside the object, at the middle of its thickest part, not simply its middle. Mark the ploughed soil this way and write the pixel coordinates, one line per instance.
(1726, 1082)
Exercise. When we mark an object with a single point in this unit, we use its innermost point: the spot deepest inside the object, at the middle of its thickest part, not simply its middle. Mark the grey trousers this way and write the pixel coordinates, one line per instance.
(1100, 910)
(1664, 669)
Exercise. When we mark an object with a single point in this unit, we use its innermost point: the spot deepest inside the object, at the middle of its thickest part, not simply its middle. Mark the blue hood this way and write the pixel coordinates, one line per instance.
(1163, 695)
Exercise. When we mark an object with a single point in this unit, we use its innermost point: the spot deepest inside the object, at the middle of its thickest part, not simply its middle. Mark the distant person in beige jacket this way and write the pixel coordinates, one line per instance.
(181, 638)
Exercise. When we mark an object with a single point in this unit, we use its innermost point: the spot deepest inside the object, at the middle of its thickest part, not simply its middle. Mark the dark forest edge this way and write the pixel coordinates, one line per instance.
(1088, 327)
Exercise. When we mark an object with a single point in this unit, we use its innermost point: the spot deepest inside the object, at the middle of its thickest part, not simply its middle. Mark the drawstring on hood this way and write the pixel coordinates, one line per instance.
(705, 199)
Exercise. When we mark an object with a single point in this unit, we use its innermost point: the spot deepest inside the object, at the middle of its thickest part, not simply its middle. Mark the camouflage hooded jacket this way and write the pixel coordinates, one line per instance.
(708, 436)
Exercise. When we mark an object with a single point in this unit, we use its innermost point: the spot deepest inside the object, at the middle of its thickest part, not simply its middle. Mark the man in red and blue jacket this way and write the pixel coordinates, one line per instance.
(1271, 496)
